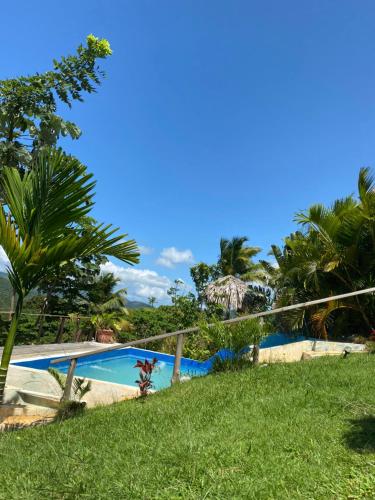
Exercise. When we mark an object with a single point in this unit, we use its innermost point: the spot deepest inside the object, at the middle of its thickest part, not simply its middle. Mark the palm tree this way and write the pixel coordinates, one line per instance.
(334, 253)
(103, 296)
(235, 259)
(107, 304)
(38, 217)
(152, 301)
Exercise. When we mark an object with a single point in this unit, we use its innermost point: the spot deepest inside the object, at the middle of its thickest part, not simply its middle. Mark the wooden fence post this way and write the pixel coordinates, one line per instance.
(69, 380)
(177, 359)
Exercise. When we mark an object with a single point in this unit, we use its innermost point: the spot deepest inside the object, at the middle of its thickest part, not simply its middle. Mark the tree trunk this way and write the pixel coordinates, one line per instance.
(8, 347)
(12, 302)
(60, 331)
(256, 354)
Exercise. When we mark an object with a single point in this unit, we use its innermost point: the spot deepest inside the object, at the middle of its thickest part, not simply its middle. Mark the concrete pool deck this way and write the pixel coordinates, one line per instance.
(37, 392)
(49, 350)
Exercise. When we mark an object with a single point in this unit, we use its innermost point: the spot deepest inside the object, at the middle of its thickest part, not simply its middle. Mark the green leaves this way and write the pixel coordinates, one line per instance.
(334, 254)
(36, 200)
(39, 217)
(28, 105)
(236, 259)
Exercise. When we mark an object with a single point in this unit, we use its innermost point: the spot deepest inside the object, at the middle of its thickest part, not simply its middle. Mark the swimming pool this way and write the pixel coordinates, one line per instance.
(118, 366)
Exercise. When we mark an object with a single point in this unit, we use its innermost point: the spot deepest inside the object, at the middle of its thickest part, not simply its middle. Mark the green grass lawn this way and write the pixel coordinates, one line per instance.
(304, 430)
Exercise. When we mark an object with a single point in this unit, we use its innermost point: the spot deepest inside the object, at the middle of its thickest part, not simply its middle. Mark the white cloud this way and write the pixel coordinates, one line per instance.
(4, 261)
(169, 257)
(140, 283)
(145, 250)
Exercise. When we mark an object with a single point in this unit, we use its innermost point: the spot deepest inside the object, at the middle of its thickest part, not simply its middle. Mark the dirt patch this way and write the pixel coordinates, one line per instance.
(17, 422)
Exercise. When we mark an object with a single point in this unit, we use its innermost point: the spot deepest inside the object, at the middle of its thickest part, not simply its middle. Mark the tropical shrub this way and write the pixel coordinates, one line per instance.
(145, 372)
(80, 388)
(234, 340)
(332, 253)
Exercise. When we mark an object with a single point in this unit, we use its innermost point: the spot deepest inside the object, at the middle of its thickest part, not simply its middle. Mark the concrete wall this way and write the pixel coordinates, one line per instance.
(285, 353)
(323, 345)
(294, 352)
(41, 382)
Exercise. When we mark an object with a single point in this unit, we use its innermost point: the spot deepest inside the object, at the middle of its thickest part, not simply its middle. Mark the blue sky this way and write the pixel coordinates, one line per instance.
(217, 118)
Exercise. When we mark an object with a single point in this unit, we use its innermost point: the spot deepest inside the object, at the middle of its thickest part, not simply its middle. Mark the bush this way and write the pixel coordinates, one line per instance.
(235, 338)
(226, 364)
(184, 313)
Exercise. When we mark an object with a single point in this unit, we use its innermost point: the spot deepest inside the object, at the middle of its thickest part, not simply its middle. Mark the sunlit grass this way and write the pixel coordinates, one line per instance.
(303, 430)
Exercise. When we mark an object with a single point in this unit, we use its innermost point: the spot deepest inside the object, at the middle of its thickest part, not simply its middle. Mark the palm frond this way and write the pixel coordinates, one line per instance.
(58, 376)
(39, 216)
(81, 387)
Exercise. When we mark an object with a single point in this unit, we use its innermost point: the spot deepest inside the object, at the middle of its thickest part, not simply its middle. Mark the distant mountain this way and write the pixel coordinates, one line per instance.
(5, 292)
(136, 304)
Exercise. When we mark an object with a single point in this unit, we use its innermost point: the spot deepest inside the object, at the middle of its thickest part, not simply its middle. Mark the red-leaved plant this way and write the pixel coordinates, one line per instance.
(145, 371)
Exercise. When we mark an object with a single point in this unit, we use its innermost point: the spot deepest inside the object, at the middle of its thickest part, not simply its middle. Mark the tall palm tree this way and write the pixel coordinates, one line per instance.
(236, 259)
(38, 218)
(334, 253)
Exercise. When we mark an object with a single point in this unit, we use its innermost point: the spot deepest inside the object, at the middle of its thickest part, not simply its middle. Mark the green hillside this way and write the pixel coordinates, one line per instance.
(5, 292)
(304, 430)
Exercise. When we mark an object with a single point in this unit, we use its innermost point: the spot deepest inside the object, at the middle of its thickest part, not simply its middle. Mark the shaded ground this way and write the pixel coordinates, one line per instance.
(361, 436)
(303, 430)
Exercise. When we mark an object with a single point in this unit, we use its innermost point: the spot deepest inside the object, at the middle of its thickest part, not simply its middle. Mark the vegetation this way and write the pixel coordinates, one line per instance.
(69, 288)
(74, 406)
(145, 373)
(29, 124)
(184, 312)
(235, 259)
(37, 228)
(80, 386)
(202, 275)
(282, 431)
(333, 253)
(28, 104)
(232, 341)
(152, 301)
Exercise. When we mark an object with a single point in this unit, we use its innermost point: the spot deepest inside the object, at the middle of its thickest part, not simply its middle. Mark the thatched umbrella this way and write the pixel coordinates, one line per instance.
(227, 291)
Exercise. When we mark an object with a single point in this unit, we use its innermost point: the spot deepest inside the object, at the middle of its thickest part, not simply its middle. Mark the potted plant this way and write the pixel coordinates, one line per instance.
(107, 325)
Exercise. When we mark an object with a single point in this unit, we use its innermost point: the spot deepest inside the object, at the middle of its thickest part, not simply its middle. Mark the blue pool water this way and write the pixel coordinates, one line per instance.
(118, 366)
